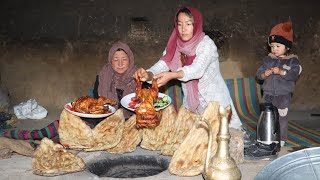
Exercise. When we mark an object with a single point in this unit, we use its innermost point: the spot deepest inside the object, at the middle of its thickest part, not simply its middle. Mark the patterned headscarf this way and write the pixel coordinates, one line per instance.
(109, 79)
(176, 46)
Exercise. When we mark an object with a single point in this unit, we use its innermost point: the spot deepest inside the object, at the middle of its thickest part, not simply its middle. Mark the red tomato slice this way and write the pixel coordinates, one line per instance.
(132, 104)
(70, 108)
(135, 99)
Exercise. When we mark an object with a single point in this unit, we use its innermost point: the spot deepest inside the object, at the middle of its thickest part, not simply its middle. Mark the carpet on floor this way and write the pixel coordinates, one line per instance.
(246, 94)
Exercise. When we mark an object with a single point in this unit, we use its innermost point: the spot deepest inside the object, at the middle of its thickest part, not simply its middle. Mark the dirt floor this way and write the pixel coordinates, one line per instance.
(249, 168)
(9, 170)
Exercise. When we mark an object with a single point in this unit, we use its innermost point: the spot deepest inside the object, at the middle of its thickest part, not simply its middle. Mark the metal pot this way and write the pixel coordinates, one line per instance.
(268, 127)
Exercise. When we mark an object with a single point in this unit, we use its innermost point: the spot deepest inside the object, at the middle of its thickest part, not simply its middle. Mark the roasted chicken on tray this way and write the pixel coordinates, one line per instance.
(147, 116)
(89, 105)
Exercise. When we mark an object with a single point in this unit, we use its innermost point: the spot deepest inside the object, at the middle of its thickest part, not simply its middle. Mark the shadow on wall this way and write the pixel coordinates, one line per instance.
(57, 72)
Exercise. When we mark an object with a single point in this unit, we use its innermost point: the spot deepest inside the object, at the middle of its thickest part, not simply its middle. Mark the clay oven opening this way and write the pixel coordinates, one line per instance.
(129, 166)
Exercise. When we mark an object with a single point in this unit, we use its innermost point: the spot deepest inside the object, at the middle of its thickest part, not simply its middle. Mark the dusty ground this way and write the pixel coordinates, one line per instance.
(19, 167)
(249, 169)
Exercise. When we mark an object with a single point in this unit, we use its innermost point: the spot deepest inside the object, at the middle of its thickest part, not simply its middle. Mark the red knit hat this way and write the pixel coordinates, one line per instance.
(282, 33)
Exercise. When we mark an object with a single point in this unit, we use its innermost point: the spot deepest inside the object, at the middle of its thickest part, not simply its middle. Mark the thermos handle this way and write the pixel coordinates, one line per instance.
(276, 115)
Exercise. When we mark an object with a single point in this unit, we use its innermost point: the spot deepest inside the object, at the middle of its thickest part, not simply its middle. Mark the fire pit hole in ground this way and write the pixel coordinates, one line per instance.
(129, 166)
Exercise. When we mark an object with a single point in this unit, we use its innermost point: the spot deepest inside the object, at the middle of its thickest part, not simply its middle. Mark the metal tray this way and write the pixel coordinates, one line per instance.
(303, 164)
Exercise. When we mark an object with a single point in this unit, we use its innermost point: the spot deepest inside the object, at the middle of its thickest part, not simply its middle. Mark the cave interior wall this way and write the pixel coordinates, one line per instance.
(51, 51)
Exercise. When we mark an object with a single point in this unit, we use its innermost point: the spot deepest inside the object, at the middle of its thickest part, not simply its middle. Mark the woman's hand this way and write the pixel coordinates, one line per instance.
(143, 75)
(164, 77)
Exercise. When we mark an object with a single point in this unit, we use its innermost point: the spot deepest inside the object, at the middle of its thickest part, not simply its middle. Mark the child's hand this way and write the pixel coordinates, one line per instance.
(276, 70)
(268, 72)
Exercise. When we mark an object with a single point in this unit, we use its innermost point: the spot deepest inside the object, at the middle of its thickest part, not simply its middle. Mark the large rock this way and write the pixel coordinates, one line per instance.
(15, 145)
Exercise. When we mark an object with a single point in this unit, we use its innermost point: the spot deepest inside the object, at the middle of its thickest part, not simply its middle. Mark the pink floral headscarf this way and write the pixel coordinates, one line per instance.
(176, 46)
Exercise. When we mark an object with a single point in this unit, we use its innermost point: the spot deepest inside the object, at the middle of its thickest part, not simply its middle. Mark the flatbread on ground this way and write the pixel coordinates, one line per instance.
(52, 159)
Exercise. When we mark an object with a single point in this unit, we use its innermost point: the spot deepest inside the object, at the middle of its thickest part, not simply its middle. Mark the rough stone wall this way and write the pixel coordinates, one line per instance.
(52, 50)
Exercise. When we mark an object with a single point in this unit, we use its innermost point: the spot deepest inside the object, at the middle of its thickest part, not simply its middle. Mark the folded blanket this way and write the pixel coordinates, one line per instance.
(50, 131)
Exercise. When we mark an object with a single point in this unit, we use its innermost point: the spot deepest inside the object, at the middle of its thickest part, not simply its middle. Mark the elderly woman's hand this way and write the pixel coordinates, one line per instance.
(143, 75)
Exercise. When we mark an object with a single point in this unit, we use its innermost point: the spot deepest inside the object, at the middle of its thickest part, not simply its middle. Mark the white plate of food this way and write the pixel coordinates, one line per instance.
(110, 111)
(131, 103)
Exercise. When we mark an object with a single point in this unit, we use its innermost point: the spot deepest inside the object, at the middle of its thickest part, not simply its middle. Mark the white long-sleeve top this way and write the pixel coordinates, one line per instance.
(205, 67)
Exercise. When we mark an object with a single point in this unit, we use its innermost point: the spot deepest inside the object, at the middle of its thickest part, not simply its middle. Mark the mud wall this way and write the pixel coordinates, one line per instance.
(52, 50)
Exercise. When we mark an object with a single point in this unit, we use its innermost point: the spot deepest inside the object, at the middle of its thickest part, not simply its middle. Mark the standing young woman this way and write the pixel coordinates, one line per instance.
(192, 57)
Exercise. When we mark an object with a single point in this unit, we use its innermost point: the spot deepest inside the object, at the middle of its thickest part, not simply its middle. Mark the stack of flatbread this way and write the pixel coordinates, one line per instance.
(155, 138)
(131, 137)
(179, 131)
(171, 131)
(52, 159)
(75, 134)
(189, 159)
(181, 135)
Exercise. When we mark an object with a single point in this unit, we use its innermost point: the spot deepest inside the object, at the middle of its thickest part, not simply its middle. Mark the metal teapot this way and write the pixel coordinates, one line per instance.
(221, 166)
(268, 127)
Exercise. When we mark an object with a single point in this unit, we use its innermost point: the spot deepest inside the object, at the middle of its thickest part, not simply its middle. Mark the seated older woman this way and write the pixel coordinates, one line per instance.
(115, 79)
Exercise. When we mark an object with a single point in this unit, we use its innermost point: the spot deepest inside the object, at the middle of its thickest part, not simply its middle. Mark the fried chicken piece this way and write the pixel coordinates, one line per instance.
(147, 116)
(89, 105)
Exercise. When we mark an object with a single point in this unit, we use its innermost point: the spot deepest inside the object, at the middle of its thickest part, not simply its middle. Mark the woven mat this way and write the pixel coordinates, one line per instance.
(246, 95)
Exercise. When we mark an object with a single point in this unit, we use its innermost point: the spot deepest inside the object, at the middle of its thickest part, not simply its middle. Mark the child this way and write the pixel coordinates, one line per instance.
(279, 71)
